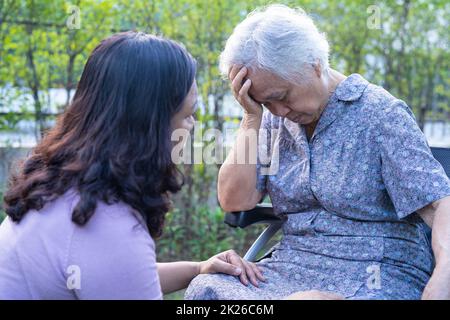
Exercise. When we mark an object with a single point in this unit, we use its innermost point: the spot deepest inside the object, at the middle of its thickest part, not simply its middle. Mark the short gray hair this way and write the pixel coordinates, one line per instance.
(277, 39)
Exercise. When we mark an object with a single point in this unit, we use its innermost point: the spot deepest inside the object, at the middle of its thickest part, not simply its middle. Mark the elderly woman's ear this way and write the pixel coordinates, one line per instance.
(318, 69)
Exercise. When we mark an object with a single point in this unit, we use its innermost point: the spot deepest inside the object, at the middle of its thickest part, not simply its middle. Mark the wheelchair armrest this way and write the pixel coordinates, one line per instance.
(262, 213)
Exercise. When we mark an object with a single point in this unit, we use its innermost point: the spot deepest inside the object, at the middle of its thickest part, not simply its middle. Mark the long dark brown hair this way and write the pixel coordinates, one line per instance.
(113, 141)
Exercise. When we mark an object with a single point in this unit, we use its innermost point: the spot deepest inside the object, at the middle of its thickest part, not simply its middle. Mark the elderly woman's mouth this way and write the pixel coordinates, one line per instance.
(299, 118)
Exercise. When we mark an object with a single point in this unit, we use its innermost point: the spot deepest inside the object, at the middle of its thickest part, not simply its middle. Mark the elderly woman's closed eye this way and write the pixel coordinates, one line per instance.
(348, 166)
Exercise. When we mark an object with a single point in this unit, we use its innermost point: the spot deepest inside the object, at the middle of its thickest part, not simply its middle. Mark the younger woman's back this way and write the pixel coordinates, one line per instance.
(47, 256)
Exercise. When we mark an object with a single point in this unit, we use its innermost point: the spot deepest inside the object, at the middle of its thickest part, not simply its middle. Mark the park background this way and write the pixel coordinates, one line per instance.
(401, 45)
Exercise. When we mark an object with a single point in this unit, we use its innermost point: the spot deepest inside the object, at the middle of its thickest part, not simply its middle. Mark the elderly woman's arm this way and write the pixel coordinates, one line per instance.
(437, 216)
(237, 180)
(237, 177)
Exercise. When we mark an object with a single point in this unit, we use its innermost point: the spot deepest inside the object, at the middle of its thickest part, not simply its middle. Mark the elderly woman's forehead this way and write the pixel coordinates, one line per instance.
(261, 74)
(265, 82)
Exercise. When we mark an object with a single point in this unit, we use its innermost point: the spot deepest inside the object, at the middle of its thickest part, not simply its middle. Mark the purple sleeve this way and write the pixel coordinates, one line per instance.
(114, 257)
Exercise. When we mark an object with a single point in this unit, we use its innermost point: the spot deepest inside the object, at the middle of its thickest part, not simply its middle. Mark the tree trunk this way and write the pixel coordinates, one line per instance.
(34, 85)
(69, 83)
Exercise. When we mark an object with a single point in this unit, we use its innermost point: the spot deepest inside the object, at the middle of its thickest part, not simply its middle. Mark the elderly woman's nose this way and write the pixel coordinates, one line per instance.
(280, 109)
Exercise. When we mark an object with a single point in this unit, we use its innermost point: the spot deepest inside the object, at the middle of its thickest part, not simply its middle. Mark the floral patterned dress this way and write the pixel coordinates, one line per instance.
(350, 196)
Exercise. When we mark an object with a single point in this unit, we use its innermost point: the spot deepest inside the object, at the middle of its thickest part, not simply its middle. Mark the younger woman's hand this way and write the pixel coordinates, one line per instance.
(231, 263)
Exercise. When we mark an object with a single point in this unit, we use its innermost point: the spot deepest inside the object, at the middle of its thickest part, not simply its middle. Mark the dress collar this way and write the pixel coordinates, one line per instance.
(350, 89)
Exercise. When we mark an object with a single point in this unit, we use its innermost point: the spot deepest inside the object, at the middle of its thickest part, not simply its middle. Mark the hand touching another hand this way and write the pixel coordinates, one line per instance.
(231, 263)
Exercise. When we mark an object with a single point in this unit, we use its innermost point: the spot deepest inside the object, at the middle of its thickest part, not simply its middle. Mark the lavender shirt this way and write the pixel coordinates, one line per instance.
(47, 256)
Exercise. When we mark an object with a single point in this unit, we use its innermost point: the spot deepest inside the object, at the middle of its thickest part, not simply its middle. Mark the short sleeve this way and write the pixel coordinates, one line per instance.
(264, 154)
(412, 176)
(115, 257)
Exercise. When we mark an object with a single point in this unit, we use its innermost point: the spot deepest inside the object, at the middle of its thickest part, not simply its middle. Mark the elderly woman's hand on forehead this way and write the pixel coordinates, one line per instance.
(240, 89)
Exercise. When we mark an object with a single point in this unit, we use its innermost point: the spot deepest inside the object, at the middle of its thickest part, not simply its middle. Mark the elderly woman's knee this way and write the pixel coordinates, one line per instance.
(202, 287)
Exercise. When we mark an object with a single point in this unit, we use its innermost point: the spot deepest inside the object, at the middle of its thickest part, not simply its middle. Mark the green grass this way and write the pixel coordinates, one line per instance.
(178, 295)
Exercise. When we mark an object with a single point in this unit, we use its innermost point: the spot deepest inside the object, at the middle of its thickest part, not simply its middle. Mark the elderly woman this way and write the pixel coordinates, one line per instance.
(356, 179)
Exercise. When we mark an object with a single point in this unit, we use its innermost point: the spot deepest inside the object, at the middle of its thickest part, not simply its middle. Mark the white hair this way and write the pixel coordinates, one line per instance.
(278, 39)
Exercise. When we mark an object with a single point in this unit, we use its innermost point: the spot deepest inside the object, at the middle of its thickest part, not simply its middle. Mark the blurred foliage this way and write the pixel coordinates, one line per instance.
(204, 236)
(404, 49)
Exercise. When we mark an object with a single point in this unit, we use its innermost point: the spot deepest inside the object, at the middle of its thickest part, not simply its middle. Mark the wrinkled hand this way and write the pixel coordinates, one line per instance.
(240, 89)
(231, 263)
(314, 295)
